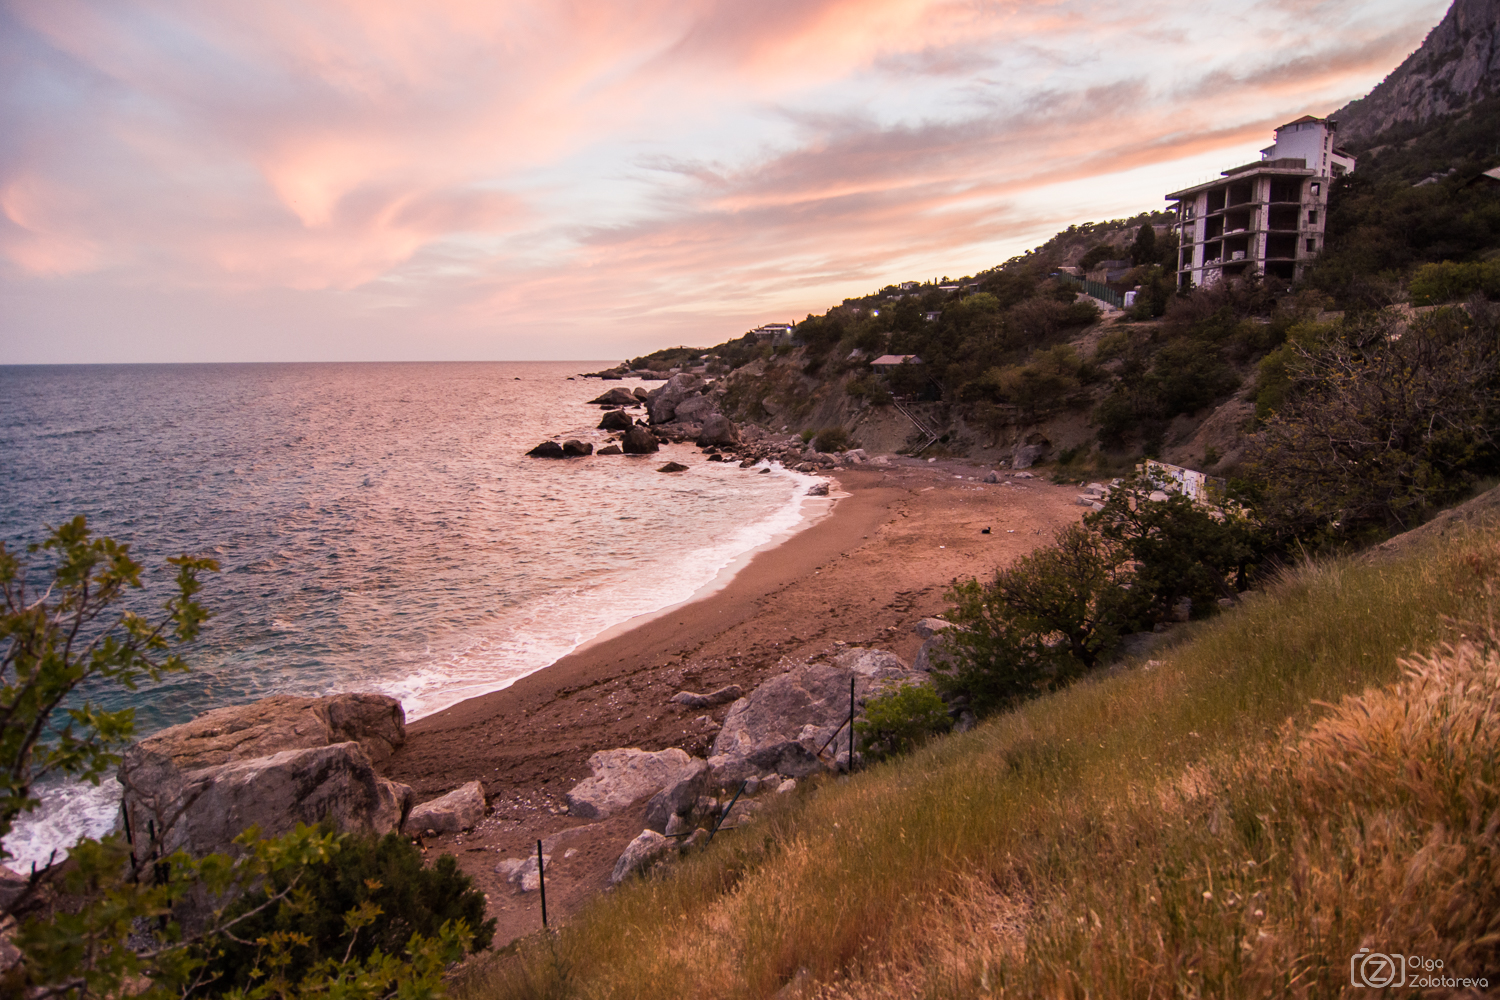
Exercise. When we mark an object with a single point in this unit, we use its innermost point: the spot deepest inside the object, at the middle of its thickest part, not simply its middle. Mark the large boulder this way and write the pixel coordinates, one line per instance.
(625, 776)
(574, 448)
(205, 810)
(616, 420)
(680, 797)
(615, 397)
(639, 441)
(460, 809)
(783, 723)
(1027, 455)
(694, 410)
(547, 449)
(192, 782)
(661, 402)
(717, 430)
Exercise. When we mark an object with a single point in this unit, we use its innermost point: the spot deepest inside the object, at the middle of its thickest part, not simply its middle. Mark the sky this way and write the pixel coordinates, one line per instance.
(366, 180)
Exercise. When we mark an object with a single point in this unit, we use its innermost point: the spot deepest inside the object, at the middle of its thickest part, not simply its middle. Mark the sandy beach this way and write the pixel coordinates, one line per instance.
(862, 576)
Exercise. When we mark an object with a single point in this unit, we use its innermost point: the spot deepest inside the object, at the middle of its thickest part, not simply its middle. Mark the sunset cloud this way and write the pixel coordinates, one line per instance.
(443, 181)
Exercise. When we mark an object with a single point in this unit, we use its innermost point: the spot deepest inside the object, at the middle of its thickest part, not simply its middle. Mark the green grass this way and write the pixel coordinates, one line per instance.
(1190, 828)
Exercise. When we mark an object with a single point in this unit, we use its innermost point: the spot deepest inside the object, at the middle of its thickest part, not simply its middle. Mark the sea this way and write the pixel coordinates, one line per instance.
(378, 527)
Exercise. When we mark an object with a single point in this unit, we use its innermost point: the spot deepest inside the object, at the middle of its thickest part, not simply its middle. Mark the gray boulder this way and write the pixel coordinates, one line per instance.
(929, 627)
(625, 776)
(661, 402)
(694, 409)
(205, 810)
(460, 809)
(1027, 455)
(722, 696)
(992, 476)
(639, 394)
(639, 853)
(639, 441)
(547, 449)
(717, 430)
(610, 449)
(678, 798)
(573, 448)
(818, 490)
(616, 420)
(615, 397)
(783, 723)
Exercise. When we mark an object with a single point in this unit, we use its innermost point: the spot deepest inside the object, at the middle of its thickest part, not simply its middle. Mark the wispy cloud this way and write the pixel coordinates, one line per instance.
(611, 171)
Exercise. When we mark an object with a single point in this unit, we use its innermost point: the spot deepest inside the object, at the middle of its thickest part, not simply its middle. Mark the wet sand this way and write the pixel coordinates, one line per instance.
(862, 575)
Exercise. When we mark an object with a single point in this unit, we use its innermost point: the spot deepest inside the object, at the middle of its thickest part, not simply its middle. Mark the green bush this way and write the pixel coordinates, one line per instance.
(385, 873)
(1449, 281)
(831, 439)
(868, 388)
(899, 721)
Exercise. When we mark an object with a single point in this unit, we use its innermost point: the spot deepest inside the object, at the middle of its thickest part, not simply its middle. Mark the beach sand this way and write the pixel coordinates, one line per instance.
(862, 575)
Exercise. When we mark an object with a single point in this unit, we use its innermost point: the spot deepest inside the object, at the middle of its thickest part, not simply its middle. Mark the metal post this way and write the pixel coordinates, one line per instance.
(541, 878)
(725, 814)
(850, 768)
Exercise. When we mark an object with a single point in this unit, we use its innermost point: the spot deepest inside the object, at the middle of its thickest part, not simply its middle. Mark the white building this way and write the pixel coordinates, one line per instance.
(1267, 216)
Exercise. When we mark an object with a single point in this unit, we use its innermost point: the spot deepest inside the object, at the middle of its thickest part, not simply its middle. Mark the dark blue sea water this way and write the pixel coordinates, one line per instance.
(378, 525)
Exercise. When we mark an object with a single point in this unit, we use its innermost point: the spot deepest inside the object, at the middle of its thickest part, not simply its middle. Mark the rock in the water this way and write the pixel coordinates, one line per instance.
(722, 696)
(621, 777)
(678, 798)
(639, 853)
(615, 397)
(573, 448)
(717, 430)
(639, 393)
(818, 490)
(673, 467)
(547, 449)
(276, 793)
(616, 420)
(610, 449)
(781, 725)
(460, 809)
(639, 441)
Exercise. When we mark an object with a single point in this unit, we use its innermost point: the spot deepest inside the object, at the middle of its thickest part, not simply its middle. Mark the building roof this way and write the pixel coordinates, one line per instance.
(897, 359)
(1304, 120)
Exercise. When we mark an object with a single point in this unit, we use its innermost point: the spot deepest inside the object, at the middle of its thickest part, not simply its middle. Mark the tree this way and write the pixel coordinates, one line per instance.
(1143, 250)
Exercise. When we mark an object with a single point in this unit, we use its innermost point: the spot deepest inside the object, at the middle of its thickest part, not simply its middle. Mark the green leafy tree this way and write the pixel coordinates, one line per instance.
(898, 721)
(1143, 250)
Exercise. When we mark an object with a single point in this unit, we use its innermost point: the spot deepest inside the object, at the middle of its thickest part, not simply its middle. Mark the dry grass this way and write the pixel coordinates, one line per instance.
(1213, 825)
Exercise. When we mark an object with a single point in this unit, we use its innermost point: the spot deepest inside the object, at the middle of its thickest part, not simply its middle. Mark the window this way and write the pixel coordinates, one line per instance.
(1312, 216)
(1316, 188)
(1312, 246)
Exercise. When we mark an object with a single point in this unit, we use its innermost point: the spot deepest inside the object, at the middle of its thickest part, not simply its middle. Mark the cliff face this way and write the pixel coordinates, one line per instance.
(1458, 64)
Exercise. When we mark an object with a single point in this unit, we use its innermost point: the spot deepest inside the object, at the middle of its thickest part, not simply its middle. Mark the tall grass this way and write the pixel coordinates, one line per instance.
(1208, 825)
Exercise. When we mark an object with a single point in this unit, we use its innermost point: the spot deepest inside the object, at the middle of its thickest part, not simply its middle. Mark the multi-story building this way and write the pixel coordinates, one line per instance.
(1268, 216)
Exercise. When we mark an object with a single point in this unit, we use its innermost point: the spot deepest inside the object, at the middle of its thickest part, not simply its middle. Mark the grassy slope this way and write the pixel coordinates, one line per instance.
(1163, 831)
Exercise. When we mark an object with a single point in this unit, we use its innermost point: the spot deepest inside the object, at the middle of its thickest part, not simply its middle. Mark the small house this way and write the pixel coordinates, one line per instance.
(888, 362)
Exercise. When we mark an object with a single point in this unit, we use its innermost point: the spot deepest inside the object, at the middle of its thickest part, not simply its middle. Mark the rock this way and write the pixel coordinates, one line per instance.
(869, 662)
(694, 409)
(547, 449)
(573, 448)
(677, 826)
(717, 430)
(781, 725)
(616, 420)
(207, 769)
(818, 490)
(992, 476)
(1026, 455)
(639, 853)
(673, 467)
(639, 394)
(616, 397)
(624, 776)
(1024, 475)
(610, 449)
(789, 785)
(276, 793)
(460, 809)
(929, 627)
(524, 873)
(932, 655)
(722, 696)
(678, 798)
(639, 441)
(12, 886)
(661, 403)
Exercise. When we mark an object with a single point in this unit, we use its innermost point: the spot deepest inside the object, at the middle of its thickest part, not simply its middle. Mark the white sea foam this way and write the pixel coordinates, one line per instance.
(68, 813)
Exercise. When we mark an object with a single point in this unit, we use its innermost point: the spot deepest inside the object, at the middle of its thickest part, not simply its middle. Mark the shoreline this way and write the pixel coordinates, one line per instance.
(861, 574)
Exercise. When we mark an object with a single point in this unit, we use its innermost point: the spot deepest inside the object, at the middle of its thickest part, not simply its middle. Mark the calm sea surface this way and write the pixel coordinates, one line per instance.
(378, 526)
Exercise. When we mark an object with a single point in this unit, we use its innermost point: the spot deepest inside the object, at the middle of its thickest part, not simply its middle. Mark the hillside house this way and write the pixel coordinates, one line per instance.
(1267, 216)
(887, 362)
(774, 334)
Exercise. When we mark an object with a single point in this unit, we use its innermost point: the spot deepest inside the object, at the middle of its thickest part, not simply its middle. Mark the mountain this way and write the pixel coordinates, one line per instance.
(1457, 66)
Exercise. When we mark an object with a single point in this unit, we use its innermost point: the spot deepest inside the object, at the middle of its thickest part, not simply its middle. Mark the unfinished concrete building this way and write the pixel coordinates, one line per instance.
(1267, 216)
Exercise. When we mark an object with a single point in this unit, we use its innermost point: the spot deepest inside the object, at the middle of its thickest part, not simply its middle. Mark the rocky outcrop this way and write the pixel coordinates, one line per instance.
(615, 397)
(931, 656)
(639, 441)
(625, 776)
(460, 809)
(717, 431)
(1457, 65)
(680, 797)
(780, 727)
(273, 763)
(616, 420)
(662, 402)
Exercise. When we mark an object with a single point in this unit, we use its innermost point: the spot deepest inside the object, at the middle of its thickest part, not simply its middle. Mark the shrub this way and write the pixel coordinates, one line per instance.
(1449, 281)
(899, 721)
(868, 388)
(831, 439)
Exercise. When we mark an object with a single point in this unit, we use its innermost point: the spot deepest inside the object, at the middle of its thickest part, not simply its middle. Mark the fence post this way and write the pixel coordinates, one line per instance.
(541, 878)
(850, 768)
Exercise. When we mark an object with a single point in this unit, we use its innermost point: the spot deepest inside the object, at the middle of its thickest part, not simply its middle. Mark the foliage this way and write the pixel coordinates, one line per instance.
(1449, 281)
(1382, 423)
(1050, 615)
(868, 387)
(1098, 254)
(1047, 382)
(897, 722)
(831, 439)
(1143, 250)
(381, 875)
(60, 638)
